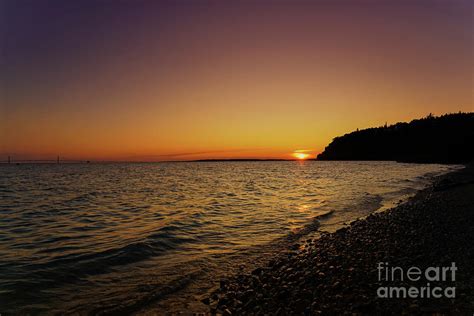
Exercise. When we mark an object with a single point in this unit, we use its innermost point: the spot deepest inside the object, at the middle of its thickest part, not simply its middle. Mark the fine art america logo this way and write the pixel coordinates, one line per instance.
(434, 280)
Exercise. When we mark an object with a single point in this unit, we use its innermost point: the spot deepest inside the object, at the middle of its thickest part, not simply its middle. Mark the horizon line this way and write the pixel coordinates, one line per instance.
(86, 161)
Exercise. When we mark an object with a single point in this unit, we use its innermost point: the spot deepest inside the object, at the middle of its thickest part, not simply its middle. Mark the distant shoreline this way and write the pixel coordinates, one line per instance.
(161, 161)
(237, 160)
(77, 162)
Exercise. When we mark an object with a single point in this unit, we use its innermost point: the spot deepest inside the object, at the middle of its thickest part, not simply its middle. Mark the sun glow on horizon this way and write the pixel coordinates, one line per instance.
(222, 79)
(300, 156)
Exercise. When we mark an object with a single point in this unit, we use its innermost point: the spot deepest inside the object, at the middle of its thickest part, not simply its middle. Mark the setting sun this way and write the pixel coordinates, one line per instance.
(301, 156)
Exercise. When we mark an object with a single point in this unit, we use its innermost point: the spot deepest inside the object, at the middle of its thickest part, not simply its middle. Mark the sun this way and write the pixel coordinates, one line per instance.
(300, 156)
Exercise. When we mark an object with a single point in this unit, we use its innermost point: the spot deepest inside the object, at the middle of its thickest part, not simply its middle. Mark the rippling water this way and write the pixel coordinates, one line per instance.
(122, 237)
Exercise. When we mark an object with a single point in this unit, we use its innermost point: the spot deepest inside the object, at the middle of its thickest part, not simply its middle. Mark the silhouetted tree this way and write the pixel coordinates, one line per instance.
(445, 139)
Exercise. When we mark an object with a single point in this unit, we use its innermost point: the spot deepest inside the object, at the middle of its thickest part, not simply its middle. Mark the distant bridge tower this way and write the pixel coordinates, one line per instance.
(58, 160)
(9, 160)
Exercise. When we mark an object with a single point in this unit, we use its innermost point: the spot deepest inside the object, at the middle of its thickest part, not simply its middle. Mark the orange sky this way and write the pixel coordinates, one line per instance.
(146, 81)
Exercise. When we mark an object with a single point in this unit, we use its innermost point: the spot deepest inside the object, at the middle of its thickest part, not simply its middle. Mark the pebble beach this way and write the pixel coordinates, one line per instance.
(338, 272)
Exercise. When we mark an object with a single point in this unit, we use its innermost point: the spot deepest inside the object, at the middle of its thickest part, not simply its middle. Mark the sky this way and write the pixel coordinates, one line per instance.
(179, 80)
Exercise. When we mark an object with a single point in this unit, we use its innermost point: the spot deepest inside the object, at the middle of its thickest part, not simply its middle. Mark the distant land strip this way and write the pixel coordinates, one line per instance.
(163, 161)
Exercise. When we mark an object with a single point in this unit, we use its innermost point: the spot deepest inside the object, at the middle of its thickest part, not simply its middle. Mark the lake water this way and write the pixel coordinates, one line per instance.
(98, 238)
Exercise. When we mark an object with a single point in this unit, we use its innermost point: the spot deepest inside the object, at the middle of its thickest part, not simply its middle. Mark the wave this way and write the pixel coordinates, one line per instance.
(74, 267)
(152, 294)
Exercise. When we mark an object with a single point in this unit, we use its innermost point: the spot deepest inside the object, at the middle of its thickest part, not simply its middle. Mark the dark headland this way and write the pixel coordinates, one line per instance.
(337, 274)
(444, 139)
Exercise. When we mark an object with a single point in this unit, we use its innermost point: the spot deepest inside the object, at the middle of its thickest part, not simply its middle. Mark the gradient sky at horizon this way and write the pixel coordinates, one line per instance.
(167, 80)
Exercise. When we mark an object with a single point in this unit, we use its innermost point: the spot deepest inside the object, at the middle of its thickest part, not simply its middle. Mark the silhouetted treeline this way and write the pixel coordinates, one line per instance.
(445, 139)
